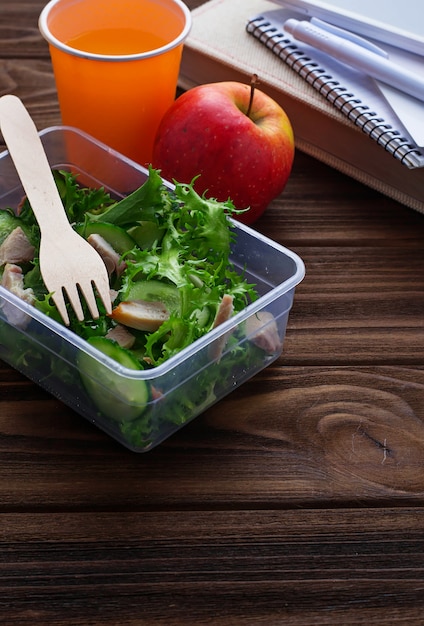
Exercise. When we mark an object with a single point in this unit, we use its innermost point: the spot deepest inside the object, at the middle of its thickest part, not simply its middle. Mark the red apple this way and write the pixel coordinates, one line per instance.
(237, 138)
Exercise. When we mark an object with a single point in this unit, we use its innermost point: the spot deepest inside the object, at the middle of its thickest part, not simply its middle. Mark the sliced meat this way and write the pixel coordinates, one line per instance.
(13, 280)
(156, 393)
(262, 330)
(225, 311)
(141, 314)
(16, 248)
(122, 336)
(113, 294)
(110, 257)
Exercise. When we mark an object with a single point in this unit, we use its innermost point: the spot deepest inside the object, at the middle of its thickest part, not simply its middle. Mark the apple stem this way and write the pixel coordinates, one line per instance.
(253, 83)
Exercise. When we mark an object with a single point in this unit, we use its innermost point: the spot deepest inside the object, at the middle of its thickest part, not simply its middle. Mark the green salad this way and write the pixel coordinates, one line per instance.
(167, 251)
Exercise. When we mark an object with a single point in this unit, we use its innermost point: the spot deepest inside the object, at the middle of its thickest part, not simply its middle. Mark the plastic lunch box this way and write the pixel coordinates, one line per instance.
(50, 354)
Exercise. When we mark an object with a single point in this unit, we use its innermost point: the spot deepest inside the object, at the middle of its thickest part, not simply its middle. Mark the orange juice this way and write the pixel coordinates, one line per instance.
(119, 41)
(116, 66)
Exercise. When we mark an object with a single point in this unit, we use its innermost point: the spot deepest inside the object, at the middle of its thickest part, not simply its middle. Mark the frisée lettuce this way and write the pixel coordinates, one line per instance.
(172, 248)
(189, 256)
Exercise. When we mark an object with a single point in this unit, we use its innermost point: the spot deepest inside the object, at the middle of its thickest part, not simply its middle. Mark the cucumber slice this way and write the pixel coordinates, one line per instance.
(116, 236)
(155, 291)
(119, 398)
(146, 234)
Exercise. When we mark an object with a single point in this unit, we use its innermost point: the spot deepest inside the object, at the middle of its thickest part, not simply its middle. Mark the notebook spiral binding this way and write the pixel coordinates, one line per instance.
(343, 99)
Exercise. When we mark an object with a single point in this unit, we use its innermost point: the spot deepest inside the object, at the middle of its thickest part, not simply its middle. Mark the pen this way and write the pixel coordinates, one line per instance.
(357, 56)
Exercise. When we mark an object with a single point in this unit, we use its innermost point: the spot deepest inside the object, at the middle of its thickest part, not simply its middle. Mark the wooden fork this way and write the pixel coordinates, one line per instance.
(68, 263)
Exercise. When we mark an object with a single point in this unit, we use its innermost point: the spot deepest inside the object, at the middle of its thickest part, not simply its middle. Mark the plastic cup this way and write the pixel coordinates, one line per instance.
(116, 65)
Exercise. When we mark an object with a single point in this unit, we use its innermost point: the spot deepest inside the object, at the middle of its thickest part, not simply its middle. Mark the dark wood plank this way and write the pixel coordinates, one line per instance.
(250, 567)
(292, 436)
(321, 206)
(33, 82)
(19, 34)
(25, 67)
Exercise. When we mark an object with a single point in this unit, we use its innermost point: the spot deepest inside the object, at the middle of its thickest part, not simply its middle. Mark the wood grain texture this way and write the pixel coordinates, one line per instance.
(242, 567)
(297, 500)
(291, 436)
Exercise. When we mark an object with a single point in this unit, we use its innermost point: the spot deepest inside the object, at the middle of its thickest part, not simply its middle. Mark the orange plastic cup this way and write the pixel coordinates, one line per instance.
(116, 65)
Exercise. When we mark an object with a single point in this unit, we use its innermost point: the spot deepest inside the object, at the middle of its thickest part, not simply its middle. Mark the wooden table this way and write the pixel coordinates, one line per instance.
(296, 500)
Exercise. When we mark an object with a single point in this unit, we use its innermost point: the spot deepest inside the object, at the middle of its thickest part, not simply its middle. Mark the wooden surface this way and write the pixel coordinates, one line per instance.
(296, 500)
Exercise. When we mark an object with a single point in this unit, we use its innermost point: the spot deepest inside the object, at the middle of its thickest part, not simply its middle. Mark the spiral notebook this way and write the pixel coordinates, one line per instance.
(351, 92)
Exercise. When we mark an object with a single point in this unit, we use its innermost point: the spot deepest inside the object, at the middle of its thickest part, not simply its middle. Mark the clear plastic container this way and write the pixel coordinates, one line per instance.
(185, 385)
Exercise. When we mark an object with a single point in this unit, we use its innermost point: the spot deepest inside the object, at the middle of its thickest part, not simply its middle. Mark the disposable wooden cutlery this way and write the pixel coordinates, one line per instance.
(69, 265)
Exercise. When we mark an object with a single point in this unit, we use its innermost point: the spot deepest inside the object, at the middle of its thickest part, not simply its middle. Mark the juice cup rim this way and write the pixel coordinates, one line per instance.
(54, 41)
